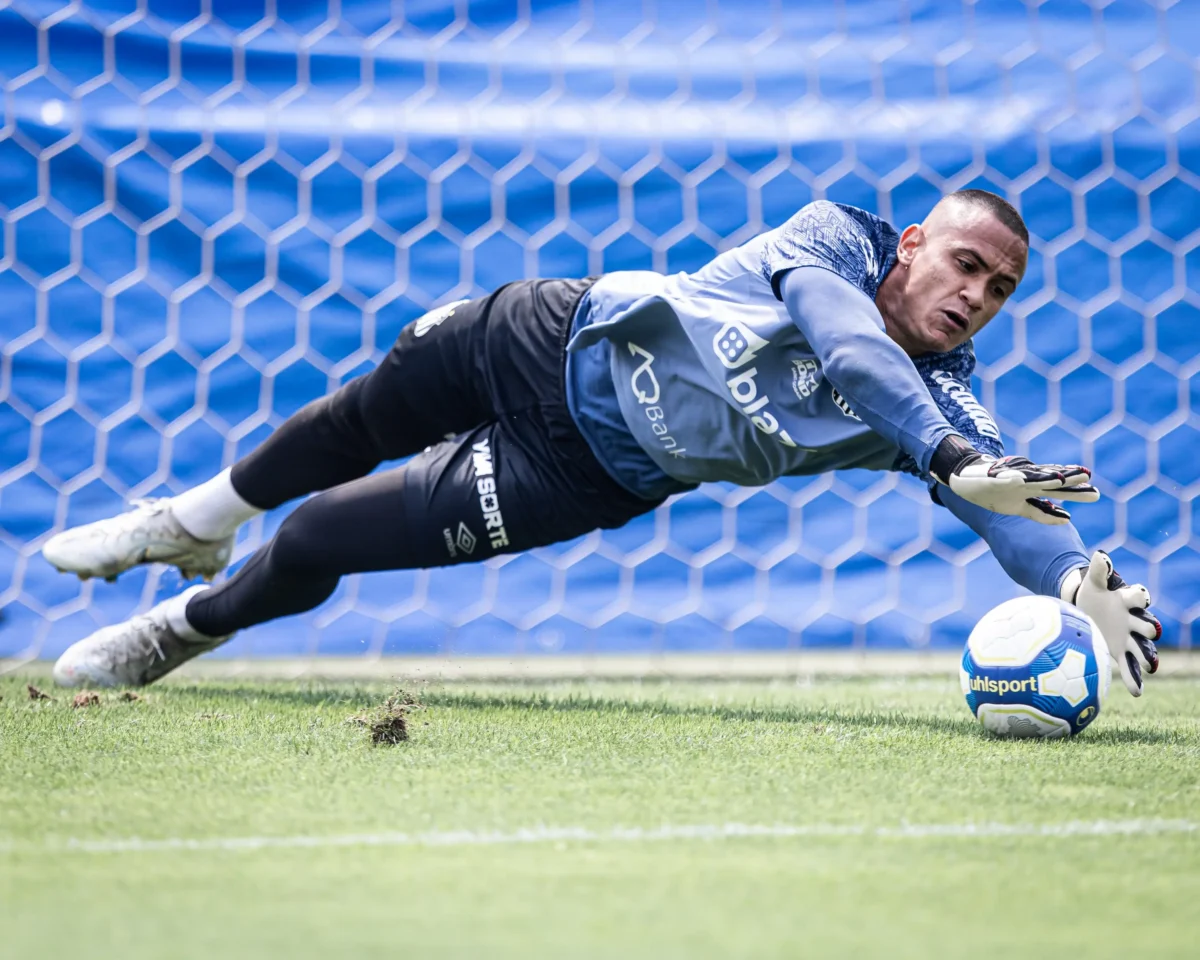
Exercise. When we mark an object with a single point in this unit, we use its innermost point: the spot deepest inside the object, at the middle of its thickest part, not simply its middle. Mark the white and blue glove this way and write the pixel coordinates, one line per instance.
(1123, 614)
(1011, 485)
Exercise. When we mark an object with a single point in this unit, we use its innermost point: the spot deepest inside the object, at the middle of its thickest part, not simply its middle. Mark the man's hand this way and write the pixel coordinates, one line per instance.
(1122, 613)
(1011, 485)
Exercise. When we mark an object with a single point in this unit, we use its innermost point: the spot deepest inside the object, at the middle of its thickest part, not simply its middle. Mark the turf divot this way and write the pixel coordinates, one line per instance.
(388, 723)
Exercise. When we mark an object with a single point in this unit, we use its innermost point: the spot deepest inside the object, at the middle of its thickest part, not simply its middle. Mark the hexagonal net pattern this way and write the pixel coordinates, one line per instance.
(215, 211)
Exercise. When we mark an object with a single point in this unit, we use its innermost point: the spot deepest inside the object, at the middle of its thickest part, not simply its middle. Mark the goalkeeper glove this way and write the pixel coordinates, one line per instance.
(1122, 613)
(1010, 485)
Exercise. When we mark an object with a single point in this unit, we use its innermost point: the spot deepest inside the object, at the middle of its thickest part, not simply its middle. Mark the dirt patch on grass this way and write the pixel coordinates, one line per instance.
(388, 723)
(36, 694)
(129, 696)
(85, 698)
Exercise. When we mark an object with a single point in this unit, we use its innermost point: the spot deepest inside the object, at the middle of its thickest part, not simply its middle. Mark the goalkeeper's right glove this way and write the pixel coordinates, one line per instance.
(1010, 485)
(1122, 612)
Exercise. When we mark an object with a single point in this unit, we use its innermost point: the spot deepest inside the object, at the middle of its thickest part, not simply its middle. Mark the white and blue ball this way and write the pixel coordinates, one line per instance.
(1035, 667)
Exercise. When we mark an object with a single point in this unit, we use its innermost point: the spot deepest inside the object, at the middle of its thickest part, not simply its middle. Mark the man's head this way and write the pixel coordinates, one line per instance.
(953, 272)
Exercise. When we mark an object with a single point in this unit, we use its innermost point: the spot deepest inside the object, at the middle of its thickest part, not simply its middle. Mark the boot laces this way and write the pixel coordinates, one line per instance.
(146, 629)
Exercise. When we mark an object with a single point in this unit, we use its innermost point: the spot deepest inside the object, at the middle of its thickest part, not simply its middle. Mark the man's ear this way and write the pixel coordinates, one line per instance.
(911, 240)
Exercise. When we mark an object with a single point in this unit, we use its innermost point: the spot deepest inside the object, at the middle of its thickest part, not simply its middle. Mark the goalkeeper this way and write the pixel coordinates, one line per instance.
(553, 407)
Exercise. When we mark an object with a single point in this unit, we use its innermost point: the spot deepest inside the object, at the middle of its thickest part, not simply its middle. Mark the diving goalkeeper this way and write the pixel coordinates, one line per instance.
(553, 407)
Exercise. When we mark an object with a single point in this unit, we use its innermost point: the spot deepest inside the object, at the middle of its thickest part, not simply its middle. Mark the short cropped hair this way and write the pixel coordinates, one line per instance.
(999, 208)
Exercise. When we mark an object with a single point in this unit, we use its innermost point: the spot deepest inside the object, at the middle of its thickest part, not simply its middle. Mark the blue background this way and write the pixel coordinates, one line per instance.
(210, 219)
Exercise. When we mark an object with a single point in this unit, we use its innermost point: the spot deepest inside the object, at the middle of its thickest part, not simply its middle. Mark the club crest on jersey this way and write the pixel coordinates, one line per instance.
(842, 405)
(434, 317)
(805, 377)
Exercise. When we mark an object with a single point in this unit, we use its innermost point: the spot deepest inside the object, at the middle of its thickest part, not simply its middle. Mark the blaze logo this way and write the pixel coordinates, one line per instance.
(736, 345)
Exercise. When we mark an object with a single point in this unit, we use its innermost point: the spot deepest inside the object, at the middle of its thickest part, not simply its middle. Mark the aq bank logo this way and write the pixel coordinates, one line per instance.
(642, 381)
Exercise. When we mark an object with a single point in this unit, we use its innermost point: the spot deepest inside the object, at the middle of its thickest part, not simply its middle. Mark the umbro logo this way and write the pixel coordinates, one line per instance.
(434, 317)
(465, 539)
(460, 541)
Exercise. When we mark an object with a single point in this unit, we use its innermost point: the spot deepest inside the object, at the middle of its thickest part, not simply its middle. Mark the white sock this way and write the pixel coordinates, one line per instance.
(213, 510)
(177, 614)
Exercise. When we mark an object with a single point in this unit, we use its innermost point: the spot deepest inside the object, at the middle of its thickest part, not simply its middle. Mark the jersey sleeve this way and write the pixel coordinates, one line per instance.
(851, 243)
(948, 377)
(1033, 554)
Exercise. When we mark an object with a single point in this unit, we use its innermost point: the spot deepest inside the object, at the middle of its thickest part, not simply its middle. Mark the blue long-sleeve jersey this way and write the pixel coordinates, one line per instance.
(772, 360)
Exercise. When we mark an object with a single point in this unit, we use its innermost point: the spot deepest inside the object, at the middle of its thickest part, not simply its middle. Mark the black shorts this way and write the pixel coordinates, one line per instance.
(477, 393)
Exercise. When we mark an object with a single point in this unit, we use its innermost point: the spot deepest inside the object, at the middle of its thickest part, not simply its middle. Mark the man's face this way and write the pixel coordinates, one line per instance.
(960, 266)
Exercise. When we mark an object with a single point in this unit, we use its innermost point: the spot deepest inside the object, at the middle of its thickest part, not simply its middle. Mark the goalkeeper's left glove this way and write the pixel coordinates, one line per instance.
(1123, 614)
(1012, 485)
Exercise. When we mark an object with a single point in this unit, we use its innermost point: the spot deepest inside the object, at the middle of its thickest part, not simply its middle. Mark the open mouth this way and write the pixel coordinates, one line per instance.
(957, 319)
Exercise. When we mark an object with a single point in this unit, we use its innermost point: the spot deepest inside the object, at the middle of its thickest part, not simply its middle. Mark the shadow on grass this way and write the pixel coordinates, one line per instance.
(358, 696)
(956, 726)
(1125, 735)
(316, 695)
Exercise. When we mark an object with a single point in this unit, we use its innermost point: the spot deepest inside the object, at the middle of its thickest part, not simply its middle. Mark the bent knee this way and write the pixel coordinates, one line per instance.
(302, 545)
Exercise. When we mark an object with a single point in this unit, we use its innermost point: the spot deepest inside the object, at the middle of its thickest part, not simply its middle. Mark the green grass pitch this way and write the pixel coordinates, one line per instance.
(230, 819)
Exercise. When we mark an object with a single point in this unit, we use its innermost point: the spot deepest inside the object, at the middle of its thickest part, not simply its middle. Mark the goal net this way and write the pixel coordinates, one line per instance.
(215, 211)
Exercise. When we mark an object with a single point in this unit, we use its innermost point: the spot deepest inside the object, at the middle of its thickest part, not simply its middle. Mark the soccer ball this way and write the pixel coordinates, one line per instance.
(1035, 667)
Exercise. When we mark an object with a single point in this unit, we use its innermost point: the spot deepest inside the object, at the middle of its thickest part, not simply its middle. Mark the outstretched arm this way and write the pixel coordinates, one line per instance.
(877, 378)
(1050, 560)
(882, 384)
(1036, 556)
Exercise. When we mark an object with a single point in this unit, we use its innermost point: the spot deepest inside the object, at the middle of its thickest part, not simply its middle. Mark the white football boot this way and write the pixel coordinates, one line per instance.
(130, 654)
(149, 533)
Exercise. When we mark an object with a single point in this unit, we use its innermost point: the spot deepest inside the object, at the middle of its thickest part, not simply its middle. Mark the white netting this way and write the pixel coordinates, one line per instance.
(215, 211)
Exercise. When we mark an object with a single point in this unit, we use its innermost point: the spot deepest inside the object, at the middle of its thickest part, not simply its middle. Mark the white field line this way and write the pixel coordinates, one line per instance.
(553, 835)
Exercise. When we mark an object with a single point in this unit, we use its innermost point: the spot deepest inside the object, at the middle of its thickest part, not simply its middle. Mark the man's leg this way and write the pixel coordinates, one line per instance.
(527, 478)
(430, 385)
(501, 488)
